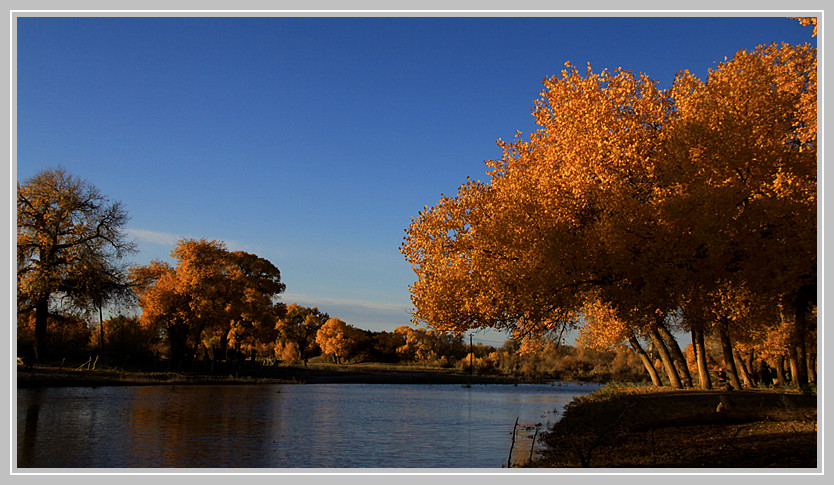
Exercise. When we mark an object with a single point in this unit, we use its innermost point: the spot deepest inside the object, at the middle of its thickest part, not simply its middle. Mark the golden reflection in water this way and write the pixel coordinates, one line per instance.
(182, 425)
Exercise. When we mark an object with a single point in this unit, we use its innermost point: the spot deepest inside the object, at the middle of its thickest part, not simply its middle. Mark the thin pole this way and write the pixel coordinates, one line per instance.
(470, 354)
(533, 445)
(100, 326)
(512, 445)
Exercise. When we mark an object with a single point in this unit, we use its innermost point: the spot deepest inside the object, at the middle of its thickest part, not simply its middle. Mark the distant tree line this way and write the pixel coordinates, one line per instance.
(213, 311)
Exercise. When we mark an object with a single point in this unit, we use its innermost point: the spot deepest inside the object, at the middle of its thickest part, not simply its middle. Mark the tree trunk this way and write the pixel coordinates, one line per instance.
(100, 328)
(647, 362)
(211, 355)
(665, 356)
(41, 316)
(780, 371)
(224, 347)
(812, 367)
(742, 371)
(701, 358)
(805, 298)
(727, 351)
(793, 313)
(801, 365)
(677, 355)
(177, 344)
(793, 364)
(748, 364)
(239, 359)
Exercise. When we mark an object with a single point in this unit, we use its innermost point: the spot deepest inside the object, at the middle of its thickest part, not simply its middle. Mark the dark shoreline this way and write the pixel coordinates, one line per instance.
(55, 377)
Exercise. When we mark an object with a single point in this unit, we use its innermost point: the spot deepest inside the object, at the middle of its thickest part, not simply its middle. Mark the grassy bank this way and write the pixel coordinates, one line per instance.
(53, 376)
(659, 428)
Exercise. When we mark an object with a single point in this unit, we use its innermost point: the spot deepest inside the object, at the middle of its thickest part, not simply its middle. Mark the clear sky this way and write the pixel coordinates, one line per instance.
(312, 142)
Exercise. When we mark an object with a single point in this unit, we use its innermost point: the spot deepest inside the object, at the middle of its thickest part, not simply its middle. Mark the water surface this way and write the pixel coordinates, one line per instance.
(284, 426)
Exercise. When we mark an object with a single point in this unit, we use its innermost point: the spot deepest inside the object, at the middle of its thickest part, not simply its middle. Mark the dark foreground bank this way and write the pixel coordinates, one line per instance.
(661, 428)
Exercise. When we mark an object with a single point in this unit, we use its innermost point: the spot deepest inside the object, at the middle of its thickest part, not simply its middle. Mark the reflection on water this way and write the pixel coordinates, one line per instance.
(281, 426)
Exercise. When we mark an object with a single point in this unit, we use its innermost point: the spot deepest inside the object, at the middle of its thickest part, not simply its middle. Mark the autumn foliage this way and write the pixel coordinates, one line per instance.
(634, 213)
(212, 302)
(297, 330)
(339, 340)
(70, 241)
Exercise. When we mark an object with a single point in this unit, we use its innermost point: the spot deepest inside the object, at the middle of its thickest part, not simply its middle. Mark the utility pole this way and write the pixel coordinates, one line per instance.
(100, 325)
(470, 354)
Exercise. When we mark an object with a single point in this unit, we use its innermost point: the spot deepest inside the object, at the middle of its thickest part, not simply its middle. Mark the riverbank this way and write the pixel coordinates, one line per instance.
(47, 376)
(650, 427)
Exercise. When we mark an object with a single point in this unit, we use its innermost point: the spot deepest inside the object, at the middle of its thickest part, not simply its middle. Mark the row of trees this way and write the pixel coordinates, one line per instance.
(71, 248)
(213, 305)
(132, 345)
(635, 213)
(220, 306)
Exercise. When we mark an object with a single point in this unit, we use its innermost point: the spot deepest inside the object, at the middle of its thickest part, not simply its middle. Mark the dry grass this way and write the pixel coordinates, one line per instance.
(657, 427)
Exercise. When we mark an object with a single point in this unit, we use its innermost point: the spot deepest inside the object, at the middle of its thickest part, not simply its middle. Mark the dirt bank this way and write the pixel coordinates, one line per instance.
(656, 427)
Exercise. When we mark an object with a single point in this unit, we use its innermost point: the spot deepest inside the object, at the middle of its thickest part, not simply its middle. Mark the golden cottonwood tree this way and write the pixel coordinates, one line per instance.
(165, 308)
(70, 239)
(299, 326)
(254, 283)
(339, 339)
(431, 346)
(564, 213)
(651, 202)
(212, 298)
(742, 160)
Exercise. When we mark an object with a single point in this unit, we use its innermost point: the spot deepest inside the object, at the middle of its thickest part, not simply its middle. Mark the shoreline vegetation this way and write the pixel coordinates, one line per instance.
(53, 376)
(617, 426)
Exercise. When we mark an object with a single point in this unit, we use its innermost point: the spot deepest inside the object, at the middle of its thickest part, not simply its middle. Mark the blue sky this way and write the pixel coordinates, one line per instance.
(312, 142)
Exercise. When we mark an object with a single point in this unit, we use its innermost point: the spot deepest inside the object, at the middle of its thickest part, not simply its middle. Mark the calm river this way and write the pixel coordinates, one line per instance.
(284, 426)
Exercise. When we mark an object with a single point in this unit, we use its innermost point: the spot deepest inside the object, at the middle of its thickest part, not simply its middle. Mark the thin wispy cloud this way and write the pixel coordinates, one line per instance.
(168, 239)
(308, 300)
(154, 237)
(381, 316)
(368, 315)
